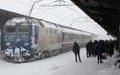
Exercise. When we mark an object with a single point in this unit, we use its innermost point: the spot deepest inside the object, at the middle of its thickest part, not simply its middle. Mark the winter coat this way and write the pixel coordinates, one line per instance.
(100, 48)
(89, 46)
(76, 48)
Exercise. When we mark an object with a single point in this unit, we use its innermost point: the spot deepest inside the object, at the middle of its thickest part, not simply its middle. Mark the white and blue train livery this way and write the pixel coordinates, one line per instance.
(26, 39)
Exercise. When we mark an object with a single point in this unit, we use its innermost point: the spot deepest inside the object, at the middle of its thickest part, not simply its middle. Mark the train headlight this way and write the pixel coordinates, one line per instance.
(8, 44)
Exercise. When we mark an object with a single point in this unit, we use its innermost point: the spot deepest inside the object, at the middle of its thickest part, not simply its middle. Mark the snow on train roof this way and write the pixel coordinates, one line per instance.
(48, 24)
(13, 21)
(24, 21)
(18, 20)
(73, 30)
(64, 28)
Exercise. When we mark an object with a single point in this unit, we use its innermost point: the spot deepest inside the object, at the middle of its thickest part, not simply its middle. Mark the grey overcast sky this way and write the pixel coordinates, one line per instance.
(65, 15)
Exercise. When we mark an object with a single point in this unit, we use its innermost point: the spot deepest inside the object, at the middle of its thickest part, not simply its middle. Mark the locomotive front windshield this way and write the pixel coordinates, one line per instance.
(19, 28)
(16, 30)
(10, 29)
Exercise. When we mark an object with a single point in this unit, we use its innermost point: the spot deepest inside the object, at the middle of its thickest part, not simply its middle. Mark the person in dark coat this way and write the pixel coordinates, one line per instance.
(87, 50)
(90, 48)
(99, 51)
(76, 50)
(111, 48)
(106, 46)
(94, 47)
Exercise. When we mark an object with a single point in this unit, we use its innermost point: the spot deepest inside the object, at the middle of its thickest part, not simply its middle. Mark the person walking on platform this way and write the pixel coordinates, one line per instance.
(111, 48)
(76, 50)
(99, 51)
(89, 48)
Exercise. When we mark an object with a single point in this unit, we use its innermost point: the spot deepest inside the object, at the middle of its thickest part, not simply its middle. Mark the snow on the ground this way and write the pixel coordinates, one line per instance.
(109, 71)
(62, 64)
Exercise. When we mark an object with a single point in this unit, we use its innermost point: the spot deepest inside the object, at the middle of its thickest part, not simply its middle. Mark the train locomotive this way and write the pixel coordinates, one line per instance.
(27, 39)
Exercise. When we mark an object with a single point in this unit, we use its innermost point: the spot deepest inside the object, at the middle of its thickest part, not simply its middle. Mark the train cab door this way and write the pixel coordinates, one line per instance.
(35, 30)
(36, 34)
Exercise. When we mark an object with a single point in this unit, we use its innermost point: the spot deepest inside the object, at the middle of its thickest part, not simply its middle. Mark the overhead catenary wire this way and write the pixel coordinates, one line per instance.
(20, 2)
(36, 8)
(61, 15)
(52, 6)
(57, 3)
(52, 14)
(73, 10)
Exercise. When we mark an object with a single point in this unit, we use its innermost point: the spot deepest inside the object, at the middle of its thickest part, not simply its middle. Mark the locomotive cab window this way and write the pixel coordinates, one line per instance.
(10, 29)
(23, 28)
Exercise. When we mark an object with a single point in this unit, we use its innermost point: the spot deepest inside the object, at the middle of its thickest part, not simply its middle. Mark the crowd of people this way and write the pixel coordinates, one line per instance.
(99, 48)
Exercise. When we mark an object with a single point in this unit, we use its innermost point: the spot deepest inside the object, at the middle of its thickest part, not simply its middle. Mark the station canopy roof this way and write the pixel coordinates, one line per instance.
(5, 15)
(104, 12)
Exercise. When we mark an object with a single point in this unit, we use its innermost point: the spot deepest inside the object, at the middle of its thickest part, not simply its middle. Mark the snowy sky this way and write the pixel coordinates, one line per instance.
(67, 15)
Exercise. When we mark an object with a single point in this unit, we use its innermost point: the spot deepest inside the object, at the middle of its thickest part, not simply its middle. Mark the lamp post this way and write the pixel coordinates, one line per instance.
(33, 6)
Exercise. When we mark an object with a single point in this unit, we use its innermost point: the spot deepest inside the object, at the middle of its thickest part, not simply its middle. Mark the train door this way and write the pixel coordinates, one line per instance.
(36, 28)
(34, 37)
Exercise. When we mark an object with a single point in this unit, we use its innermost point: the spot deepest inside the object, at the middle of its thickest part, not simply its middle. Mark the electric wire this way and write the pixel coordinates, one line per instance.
(53, 6)
(36, 8)
(20, 2)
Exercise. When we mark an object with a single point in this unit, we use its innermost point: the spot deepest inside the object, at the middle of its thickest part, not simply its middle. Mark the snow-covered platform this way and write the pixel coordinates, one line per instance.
(63, 64)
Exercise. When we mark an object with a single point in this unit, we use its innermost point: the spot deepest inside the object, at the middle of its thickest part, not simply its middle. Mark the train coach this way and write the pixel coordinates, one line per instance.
(26, 39)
